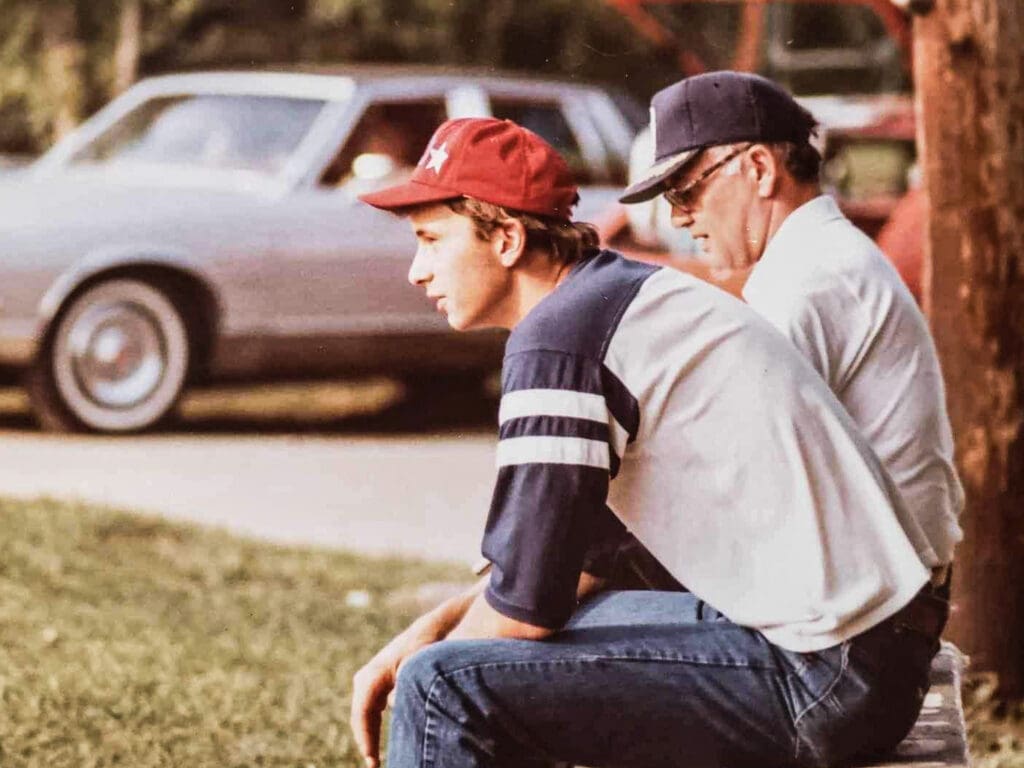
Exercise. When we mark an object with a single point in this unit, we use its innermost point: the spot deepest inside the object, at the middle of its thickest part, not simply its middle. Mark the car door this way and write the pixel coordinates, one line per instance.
(342, 265)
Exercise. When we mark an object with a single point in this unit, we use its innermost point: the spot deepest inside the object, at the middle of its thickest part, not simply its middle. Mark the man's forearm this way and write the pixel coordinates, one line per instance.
(441, 620)
(482, 622)
(468, 615)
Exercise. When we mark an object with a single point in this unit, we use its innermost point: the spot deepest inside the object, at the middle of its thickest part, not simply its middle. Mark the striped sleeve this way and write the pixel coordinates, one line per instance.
(564, 424)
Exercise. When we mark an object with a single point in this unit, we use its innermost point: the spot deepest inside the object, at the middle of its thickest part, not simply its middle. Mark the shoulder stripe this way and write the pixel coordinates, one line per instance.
(563, 402)
(552, 402)
(553, 450)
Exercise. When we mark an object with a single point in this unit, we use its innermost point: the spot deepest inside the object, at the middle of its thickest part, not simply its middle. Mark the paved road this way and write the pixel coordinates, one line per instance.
(405, 493)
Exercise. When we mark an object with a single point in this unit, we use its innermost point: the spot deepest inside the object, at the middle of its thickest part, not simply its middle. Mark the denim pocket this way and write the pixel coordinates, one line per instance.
(872, 702)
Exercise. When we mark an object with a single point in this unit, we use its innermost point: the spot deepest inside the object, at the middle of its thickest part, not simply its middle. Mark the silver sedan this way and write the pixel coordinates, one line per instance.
(205, 227)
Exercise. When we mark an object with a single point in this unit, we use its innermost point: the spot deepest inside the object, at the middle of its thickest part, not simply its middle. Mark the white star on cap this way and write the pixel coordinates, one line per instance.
(437, 158)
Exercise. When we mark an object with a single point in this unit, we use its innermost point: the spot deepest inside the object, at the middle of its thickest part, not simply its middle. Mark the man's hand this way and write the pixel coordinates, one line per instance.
(372, 684)
(465, 616)
(370, 688)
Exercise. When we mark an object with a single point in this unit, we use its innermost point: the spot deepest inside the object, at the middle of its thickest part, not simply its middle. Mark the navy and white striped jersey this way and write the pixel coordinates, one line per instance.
(711, 440)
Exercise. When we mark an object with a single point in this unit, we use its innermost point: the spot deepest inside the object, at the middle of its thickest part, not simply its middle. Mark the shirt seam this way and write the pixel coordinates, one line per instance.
(624, 304)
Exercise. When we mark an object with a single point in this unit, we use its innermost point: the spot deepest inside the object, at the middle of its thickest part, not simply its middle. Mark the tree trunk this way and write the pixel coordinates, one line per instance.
(969, 72)
(129, 45)
(62, 65)
(493, 29)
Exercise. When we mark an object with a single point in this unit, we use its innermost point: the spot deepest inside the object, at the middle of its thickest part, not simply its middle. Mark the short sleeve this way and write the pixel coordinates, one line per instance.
(555, 454)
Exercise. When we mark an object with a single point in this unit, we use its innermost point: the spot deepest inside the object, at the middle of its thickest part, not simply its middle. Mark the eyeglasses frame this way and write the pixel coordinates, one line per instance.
(678, 198)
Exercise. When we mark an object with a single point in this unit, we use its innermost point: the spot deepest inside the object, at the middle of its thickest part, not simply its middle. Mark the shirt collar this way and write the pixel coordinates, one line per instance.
(814, 212)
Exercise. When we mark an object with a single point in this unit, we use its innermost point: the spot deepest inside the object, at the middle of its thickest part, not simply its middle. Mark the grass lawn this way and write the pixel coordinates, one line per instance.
(130, 641)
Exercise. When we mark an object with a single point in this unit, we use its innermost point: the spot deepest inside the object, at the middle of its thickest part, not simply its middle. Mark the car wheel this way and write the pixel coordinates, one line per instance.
(116, 361)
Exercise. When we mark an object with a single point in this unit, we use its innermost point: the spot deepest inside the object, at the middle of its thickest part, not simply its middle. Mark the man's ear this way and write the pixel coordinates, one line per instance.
(510, 242)
(766, 168)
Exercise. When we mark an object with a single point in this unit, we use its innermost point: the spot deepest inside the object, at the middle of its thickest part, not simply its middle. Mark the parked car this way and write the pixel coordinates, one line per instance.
(205, 227)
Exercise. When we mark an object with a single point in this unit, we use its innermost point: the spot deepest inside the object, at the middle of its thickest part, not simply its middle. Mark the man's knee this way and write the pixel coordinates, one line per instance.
(421, 670)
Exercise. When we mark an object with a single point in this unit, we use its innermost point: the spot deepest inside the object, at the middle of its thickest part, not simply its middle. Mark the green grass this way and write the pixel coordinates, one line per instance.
(995, 727)
(130, 641)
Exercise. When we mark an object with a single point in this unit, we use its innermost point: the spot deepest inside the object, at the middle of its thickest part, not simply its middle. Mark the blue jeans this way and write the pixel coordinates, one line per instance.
(643, 678)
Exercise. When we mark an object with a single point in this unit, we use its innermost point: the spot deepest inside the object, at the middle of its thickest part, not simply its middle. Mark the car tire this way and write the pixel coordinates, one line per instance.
(116, 360)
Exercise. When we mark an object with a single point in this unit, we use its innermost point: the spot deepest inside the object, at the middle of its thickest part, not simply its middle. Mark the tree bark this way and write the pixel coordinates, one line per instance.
(129, 45)
(62, 65)
(969, 73)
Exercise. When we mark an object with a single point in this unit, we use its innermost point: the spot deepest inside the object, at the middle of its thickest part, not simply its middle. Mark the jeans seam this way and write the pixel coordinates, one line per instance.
(427, 757)
(689, 660)
(843, 665)
(609, 657)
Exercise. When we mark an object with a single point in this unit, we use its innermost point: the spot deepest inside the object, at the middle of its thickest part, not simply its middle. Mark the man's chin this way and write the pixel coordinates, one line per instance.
(457, 323)
(710, 260)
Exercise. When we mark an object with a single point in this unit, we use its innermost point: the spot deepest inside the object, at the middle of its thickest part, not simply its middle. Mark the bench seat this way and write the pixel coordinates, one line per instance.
(940, 736)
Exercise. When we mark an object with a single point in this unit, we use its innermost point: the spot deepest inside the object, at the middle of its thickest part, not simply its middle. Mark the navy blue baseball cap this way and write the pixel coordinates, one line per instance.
(711, 109)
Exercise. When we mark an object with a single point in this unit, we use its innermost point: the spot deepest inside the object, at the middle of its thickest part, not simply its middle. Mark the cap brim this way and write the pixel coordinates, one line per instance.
(655, 180)
(408, 195)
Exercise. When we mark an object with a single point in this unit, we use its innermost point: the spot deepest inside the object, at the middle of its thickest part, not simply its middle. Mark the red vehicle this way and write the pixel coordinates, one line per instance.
(848, 62)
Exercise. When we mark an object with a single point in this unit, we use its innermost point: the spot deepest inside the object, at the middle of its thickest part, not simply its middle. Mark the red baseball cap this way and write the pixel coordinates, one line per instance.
(495, 161)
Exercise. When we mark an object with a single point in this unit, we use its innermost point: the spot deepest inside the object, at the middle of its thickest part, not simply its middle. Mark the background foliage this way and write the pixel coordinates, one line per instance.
(58, 58)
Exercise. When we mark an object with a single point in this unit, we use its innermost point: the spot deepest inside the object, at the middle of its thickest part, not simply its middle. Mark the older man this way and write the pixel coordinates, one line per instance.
(735, 161)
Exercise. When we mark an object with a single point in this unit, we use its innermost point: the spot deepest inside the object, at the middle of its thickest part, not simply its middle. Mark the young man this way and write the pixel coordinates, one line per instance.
(807, 637)
(735, 162)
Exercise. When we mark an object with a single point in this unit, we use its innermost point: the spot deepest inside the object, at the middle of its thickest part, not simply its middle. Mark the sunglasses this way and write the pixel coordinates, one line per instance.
(685, 197)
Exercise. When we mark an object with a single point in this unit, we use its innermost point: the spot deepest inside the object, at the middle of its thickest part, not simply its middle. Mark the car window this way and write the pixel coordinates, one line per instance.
(861, 168)
(548, 121)
(250, 133)
(818, 48)
(388, 139)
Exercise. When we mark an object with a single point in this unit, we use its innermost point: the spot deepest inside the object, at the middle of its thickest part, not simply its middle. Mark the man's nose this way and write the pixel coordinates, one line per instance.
(419, 273)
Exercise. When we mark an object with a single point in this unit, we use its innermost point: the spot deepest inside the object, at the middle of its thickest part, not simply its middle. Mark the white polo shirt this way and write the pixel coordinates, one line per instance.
(827, 286)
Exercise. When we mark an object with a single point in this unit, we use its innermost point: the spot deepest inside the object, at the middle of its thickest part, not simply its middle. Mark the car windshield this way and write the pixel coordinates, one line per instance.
(210, 131)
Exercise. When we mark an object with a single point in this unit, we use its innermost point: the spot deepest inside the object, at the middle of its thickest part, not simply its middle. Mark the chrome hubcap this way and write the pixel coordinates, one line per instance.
(117, 354)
